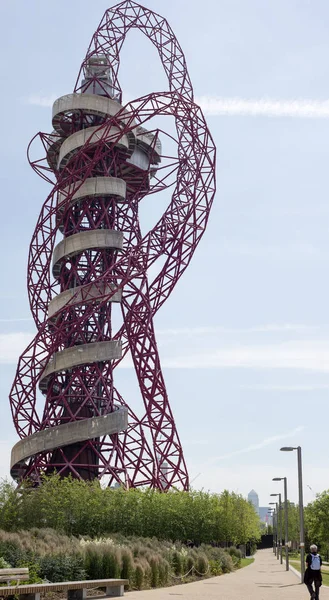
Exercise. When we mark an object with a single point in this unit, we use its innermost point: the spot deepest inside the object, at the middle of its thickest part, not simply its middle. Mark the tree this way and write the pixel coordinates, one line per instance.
(317, 520)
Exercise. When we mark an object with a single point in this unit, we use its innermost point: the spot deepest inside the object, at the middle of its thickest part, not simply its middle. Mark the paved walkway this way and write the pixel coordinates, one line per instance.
(264, 579)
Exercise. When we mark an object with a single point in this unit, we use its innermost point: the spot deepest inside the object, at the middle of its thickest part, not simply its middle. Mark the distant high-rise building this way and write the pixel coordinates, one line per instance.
(264, 515)
(253, 498)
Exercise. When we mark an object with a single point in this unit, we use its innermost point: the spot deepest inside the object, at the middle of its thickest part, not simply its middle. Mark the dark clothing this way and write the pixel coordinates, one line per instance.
(313, 577)
(314, 593)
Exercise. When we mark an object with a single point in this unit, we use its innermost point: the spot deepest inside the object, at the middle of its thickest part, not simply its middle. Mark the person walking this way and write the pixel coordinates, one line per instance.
(313, 572)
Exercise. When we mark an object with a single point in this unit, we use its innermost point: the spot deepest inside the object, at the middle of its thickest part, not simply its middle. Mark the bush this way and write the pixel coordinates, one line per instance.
(189, 564)
(109, 563)
(164, 572)
(84, 508)
(127, 563)
(226, 563)
(34, 572)
(215, 567)
(4, 564)
(62, 567)
(138, 577)
(202, 565)
(236, 555)
(93, 562)
(12, 553)
(145, 562)
(154, 572)
(253, 548)
(177, 563)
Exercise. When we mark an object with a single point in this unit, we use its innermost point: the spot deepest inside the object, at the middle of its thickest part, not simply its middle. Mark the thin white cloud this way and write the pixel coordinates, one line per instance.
(266, 328)
(16, 320)
(306, 355)
(265, 107)
(298, 387)
(291, 252)
(235, 106)
(41, 100)
(266, 442)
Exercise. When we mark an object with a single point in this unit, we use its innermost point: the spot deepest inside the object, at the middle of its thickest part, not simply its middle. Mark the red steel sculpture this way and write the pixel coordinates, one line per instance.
(102, 159)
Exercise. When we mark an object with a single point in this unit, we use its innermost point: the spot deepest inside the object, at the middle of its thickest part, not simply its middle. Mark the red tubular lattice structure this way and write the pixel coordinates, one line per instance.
(102, 159)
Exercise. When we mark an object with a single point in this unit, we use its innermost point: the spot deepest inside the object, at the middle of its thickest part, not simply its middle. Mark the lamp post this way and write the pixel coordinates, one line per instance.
(270, 514)
(301, 507)
(280, 528)
(275, 528)
(286, 533)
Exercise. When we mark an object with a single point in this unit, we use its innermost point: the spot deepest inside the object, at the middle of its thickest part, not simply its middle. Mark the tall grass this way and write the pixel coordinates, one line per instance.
(145, 562)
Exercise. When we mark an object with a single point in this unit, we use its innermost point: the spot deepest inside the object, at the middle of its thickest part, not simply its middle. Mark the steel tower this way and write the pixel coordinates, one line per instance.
(88, 253)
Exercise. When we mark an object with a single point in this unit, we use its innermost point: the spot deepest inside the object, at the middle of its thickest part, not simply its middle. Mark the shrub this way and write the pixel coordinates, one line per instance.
(202, 565)
(215, 567)
(127, 564)
(226, 563)
(164, 572)
(233, 551)
(62, 567)
(177, 563)
(235, 554)
(253, 548)
(12, 553)
(138, 577)
(189, 564)
(154, 572)
(84, 508)
(93, 562)
(145, 562)
(111, 562)
(4, 564)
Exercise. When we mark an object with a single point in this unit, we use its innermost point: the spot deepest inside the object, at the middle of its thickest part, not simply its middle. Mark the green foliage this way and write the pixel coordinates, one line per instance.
(317, 521)
(34, 571)
(202, 565)
(177, 563)
(215, 568)
(127, 564)
(154, 564)
(190, 564)
(145, 562)
(4, 564)
(226, 563)
(236, 555)
(293, 522)
(139, 577)
(108, 565)
(12, 553)
(164, 572)
(55, 529)
(62, 567)
(74, 507)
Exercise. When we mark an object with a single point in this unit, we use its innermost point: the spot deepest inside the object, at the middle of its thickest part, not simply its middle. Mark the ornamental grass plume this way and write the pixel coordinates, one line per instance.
(146, 562)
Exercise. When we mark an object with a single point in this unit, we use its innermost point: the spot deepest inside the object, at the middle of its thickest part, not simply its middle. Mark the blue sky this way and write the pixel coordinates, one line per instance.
(244, 338)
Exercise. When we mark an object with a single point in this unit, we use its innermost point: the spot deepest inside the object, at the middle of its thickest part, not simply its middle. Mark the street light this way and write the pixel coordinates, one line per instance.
(280, 528)
(301, 509)
(275, 527)
(270, 515)
(284, 479)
